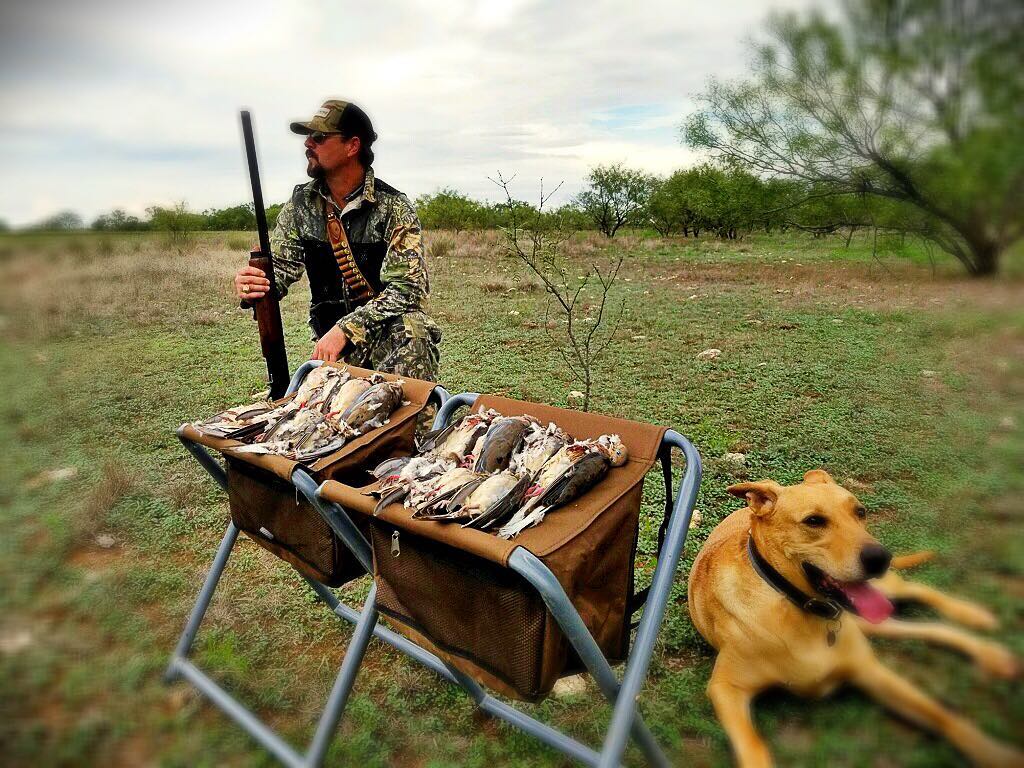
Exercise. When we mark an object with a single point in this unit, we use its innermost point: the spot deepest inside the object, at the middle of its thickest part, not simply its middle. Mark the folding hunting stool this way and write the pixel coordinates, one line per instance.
(585, 549)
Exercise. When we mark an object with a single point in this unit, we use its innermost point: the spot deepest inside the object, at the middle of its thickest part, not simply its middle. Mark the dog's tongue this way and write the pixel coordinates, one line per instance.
(867, 601)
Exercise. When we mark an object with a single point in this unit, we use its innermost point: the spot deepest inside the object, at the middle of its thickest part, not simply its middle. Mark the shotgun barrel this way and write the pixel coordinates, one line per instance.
(267, 310)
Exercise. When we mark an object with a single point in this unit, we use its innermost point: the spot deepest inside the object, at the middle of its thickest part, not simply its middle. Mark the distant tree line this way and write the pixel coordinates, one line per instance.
(711, 199)
(175, 218)
(450, 209)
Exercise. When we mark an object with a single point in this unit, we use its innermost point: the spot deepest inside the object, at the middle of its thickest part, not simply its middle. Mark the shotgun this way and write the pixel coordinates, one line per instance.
(267, 310)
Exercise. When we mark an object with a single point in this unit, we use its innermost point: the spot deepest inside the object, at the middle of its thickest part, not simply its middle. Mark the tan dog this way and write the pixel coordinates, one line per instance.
(810, 539)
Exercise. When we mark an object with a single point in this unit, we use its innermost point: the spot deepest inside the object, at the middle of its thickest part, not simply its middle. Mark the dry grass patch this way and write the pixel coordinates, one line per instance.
(138, 285)
(439, 246)
(853, 284)
(244, 243)
(116, 482)
(185, 492)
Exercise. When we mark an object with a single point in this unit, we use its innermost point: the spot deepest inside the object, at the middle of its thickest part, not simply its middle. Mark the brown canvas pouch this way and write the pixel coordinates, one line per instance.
(451, 590)
(269, 509)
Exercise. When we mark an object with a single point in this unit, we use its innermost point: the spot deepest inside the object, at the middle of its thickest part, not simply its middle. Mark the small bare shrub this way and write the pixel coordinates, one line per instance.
(239, 243)
(580, 305)
(76, 246)
(115, 483)
(185, 491)
(178, 225)
(440, 246)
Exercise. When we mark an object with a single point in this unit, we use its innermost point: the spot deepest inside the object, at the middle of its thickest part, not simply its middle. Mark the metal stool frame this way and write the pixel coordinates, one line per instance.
(625, 721)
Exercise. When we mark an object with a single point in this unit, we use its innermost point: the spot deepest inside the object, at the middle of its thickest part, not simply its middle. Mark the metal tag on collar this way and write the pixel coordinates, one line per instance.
(832, 633)
(826, 609)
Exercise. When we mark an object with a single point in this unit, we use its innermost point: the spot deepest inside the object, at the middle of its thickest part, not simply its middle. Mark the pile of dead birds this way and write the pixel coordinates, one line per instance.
(488, 471)
(331, 407)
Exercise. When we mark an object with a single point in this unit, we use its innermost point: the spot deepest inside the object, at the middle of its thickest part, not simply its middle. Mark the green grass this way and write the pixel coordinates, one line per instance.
(107, 345)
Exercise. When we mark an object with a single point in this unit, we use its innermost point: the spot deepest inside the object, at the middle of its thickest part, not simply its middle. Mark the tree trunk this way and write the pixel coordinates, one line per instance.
(981, 254)
(985, 259)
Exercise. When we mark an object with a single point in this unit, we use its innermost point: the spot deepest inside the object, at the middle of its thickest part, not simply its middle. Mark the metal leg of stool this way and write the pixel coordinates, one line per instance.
(551, 591)
(203, 601)
(343, 683)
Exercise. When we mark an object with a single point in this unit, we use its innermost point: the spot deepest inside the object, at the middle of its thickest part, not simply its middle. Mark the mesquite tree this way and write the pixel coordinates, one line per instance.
(918, 102)
(615, 197)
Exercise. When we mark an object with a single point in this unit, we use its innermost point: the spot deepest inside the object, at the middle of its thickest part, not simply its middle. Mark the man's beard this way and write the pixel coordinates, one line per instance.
(313, 169)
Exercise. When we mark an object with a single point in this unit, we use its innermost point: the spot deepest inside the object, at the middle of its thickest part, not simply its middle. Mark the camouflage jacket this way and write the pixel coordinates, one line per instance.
(377, 213)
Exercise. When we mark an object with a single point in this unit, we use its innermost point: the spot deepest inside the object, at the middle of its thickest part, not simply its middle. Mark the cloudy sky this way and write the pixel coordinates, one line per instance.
(126, 104)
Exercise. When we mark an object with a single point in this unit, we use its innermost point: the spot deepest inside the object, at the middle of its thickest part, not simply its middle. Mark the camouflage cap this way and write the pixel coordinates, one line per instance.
(336, 116)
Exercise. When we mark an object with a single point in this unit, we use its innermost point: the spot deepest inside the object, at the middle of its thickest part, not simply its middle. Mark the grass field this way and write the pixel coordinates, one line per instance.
(901, 377)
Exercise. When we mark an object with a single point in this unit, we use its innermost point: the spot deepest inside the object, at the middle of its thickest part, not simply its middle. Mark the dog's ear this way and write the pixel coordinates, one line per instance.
(761, 496)
(818, 476)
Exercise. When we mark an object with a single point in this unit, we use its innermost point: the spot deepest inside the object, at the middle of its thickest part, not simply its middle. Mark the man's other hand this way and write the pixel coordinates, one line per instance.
(330, 346)
(251, 284)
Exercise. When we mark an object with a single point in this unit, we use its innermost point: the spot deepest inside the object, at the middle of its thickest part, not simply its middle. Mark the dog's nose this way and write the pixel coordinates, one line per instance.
(875, 558)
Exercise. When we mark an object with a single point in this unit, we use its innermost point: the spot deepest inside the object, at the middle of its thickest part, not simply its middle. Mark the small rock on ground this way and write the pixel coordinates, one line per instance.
(14, 641)
(52, 476)
(570, 686)
(735, 459)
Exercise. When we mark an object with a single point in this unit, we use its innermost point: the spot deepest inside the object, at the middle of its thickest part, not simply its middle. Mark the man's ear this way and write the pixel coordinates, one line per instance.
(818, 476)
(761, 496)
(358, 144)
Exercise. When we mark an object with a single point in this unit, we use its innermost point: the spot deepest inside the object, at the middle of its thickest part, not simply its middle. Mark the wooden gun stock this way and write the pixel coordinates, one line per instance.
(267, 309)
(268, 319)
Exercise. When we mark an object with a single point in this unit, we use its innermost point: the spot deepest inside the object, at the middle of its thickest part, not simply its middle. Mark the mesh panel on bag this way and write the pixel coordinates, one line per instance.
(263, 504)
(486, 614)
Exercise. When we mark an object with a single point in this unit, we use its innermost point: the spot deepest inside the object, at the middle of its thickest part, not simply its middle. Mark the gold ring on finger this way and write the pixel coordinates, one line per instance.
(245, 288)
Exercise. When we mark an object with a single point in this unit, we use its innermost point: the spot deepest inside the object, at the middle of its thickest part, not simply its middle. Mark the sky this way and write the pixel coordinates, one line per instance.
(112, 104)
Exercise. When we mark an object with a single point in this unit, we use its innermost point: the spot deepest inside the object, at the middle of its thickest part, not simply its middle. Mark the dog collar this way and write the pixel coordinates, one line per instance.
(823, 609)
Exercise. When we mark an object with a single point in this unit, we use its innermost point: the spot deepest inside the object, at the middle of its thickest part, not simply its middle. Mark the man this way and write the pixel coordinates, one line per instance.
(359, 241)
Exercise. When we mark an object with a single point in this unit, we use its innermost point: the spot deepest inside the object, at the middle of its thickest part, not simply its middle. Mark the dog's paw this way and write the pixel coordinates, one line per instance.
(998, 660)
(973, 616)
(995, 754)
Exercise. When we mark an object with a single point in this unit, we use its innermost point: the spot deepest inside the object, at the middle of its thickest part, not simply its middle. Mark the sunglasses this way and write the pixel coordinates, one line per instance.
(319, 137)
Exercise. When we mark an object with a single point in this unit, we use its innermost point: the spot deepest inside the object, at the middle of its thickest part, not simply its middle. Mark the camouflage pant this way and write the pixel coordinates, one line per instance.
(407, 346)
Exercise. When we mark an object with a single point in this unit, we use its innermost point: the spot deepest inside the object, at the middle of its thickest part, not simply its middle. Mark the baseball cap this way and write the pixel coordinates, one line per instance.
(337, 116)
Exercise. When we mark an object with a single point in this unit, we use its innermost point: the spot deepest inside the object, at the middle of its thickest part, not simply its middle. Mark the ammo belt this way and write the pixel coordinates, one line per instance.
(358, 288)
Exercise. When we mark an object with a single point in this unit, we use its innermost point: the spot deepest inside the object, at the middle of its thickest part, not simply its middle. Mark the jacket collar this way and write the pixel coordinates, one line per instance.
(368, 186)
(363, 193)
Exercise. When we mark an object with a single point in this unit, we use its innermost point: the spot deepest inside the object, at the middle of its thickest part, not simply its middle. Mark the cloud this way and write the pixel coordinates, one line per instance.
(129, 104)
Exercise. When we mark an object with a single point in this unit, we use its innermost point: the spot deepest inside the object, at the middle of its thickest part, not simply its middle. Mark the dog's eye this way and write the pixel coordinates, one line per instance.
(815, 521)
(861, 512)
